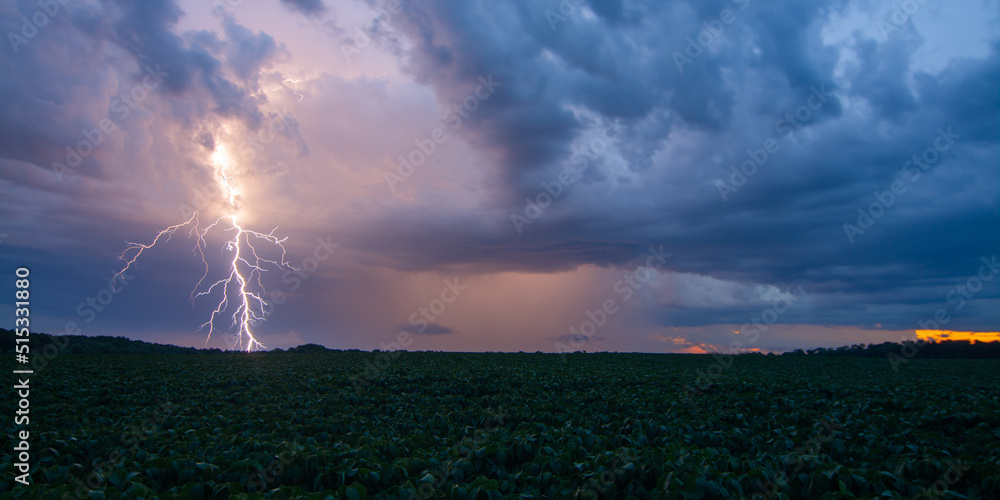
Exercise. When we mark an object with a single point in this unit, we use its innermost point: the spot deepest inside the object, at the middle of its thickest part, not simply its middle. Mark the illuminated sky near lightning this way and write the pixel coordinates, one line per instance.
(311, 133)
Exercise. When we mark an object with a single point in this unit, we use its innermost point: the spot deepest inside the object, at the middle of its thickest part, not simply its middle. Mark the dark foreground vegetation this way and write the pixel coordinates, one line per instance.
(454, 425)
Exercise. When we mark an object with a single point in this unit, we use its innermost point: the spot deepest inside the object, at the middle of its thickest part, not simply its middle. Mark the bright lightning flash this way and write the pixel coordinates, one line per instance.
(242, 285)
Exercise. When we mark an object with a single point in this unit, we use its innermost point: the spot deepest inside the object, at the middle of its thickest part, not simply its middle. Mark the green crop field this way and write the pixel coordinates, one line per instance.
(455, 425)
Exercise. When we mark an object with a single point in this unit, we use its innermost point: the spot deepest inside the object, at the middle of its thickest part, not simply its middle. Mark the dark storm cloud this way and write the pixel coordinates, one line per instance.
(880, 76)
(197, 61)
(785, 225)
(620, 69)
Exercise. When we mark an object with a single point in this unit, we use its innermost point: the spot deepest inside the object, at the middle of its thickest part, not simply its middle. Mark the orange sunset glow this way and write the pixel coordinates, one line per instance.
(940, 335)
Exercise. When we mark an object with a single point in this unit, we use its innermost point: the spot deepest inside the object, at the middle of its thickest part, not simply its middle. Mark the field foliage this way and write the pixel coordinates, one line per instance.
(490, 425)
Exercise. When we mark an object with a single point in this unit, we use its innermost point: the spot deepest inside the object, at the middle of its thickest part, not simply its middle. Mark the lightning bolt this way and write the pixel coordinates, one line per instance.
(242, 286)
(293, 82)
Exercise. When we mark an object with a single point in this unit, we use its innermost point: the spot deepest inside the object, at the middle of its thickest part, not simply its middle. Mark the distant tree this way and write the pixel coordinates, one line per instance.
(307, 348)
(954, 349)
(7, 341)
(81, 344)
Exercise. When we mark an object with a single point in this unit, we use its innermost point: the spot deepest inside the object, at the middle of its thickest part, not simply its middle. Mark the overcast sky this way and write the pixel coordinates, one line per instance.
(495, 175)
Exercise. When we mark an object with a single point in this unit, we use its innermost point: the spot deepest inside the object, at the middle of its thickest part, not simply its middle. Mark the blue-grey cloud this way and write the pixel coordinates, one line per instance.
(428, 329)
(308, 7)
(683, 132)
(577, 338)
